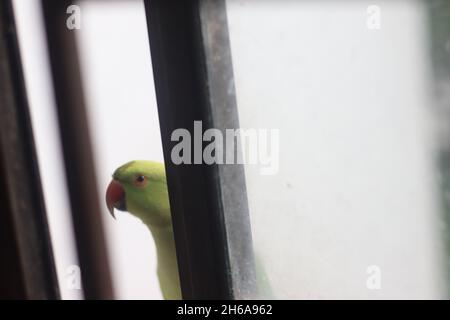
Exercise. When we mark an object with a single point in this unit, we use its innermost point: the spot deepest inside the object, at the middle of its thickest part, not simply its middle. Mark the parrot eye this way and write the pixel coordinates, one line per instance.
(140, 181)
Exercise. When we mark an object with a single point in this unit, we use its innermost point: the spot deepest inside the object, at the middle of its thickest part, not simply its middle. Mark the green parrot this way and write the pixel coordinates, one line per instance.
(140, 188)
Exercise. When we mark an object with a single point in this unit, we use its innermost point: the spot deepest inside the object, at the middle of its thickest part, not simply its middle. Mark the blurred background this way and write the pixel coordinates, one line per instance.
(360, 92)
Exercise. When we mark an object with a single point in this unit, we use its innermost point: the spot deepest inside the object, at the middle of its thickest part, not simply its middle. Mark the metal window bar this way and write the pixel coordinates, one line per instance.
(27, 268)
(78, 158)
(193, 74)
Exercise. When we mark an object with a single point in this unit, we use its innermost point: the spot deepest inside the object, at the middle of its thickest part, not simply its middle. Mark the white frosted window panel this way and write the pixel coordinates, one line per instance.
(357, 184)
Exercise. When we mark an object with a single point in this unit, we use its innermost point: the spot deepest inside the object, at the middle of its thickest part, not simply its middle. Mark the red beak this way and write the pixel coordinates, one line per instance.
(115, 197)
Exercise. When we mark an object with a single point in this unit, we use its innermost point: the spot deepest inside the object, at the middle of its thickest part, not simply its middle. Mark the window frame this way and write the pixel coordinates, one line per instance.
(77, 152)
(27, 269)
(193, 75)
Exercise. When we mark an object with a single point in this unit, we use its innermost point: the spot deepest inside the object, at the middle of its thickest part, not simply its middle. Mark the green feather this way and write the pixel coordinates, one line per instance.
(151, 205)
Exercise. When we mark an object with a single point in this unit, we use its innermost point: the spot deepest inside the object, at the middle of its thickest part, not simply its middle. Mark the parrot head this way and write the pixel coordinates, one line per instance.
(140, 188)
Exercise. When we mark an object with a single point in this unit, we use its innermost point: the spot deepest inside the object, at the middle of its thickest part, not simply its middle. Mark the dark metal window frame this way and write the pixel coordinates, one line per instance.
(27, 269)
(191, 57)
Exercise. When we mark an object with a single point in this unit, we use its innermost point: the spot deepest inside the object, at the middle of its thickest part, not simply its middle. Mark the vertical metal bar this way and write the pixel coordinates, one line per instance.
(80, 171)
(194, 81)
(230, 178)
(27, 268)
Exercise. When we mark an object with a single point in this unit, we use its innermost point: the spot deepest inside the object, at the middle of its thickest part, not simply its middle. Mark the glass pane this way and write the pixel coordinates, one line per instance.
(353, 202)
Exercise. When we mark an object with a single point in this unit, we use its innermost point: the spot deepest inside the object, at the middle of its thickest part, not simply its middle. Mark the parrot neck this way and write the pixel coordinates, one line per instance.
(164, 239)
(167, 261)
